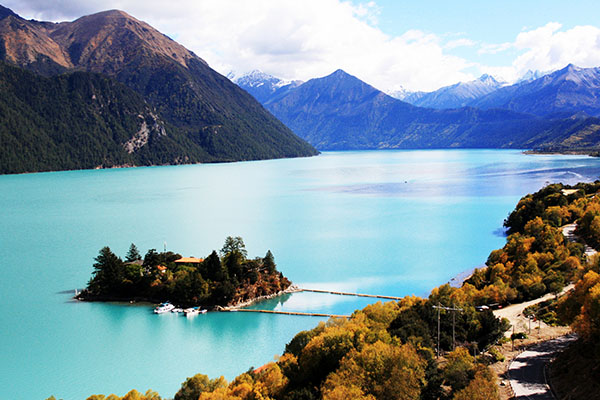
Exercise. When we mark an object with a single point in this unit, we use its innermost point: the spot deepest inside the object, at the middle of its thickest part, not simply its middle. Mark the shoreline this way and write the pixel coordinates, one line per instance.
(590, 152)
(151, 302)
(460, 278)
(290, 289)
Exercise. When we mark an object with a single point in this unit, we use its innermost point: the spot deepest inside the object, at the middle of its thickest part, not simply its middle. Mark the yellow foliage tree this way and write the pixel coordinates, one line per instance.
(384, 371)
(482, 387)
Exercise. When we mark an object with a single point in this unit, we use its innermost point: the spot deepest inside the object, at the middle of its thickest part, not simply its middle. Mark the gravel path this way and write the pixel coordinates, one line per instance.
(514, 313)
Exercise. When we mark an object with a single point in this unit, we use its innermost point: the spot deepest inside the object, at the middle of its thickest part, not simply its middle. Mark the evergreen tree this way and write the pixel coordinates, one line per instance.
(108, 273)
(133, 254)
(234, 245)
(212, 268)
(269, 262)
(151, 259)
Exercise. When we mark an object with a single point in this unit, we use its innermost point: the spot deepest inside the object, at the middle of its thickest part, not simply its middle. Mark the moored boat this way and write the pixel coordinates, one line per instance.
(190, 312)
(164, 308)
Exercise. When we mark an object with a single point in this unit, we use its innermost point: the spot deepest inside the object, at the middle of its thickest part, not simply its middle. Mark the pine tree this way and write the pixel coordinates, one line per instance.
(269, 262)
(133, 254)
(108, 273)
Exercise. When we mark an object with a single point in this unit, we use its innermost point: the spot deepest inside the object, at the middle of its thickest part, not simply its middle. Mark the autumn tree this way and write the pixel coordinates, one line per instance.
(193, 387)
(482, 387)
(460, 368)
(381, 370)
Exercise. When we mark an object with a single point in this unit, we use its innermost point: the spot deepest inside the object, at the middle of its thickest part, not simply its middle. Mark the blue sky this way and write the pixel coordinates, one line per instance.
(490, 21)
(414, 44)
(484, 21)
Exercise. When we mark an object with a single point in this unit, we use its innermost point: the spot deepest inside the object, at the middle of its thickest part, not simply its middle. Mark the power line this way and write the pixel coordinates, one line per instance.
(439, 308)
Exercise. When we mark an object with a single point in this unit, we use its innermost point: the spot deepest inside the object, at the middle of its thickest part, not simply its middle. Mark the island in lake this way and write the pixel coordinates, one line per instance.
(227, 279)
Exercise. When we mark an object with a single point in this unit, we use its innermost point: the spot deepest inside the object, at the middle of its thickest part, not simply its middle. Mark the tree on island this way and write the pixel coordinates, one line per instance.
(151, 259)
(234, 255)
(108, 272)
(234, 245)
(269, 262)
(133, 254)
(212, 282)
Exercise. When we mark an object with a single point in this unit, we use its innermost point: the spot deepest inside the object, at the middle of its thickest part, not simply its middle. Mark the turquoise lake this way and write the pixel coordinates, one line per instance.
(382, 222)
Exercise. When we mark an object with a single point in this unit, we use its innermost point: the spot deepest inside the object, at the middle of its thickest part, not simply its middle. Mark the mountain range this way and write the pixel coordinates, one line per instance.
(108, 90)
(339, 112)
(215, 119)
(562, 93)
(264, 87)
(460, 94)
(454, 96)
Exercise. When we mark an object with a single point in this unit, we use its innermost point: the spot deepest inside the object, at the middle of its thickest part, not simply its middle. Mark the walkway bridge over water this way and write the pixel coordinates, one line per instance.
(317, 314)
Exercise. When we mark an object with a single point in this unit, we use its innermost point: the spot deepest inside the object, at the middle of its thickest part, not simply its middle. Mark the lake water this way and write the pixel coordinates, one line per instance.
(383, 222)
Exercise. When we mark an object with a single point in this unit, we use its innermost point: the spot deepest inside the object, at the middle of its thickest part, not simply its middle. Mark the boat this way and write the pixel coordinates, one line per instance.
(192, 311)
(164, 308)
(203, 311)
(177, 310)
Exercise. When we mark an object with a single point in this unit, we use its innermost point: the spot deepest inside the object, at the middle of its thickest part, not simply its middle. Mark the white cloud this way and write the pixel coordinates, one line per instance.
(295, 39)
(463, 42)
(287, 38)
(548, 48)
(487, 48)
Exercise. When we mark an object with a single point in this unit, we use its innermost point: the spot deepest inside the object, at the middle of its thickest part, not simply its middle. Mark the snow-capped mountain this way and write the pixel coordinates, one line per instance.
(262, 86)
(564, 92)
(398, 92)
(532, 76)
(454, 96)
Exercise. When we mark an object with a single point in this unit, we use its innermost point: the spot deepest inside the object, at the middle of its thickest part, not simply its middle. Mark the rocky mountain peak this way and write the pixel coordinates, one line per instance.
(489, 80)
(7, 12)
(109, 37)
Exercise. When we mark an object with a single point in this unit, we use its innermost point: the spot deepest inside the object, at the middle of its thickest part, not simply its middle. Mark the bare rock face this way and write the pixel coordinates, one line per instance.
(141, 137)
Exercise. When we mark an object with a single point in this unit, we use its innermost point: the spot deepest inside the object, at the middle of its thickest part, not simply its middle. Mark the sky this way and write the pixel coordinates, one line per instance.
(390, 44)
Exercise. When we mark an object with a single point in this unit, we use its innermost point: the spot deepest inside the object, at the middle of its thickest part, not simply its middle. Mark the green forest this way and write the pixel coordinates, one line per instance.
(220, 279)
(388, 350)
(83, 120)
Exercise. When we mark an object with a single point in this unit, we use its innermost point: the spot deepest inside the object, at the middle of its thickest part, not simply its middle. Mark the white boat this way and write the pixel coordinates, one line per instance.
(203, 311)
(190, 312)
(163, 308)
(177, 310)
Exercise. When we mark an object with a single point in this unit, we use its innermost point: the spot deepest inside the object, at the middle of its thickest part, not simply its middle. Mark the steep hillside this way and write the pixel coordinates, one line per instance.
(213, 113)
(81, 120)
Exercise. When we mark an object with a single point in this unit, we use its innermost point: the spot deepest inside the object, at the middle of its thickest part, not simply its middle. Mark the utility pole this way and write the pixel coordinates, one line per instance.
(512, 339)
(439, 308)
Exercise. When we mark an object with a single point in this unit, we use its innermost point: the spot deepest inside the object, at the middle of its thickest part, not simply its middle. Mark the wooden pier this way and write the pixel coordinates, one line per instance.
(306, 314)
(377, 296)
